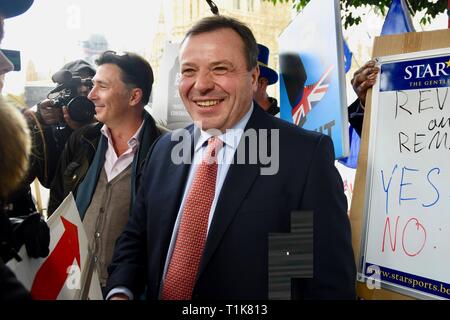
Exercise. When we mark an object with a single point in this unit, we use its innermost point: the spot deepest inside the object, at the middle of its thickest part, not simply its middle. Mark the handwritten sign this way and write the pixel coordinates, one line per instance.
(407, 232)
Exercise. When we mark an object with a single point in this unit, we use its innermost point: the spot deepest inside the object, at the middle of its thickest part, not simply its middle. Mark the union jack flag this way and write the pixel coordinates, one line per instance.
(312, 95)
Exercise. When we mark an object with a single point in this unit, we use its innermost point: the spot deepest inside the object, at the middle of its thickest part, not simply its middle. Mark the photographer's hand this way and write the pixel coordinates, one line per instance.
(71, 123)
(50, 115)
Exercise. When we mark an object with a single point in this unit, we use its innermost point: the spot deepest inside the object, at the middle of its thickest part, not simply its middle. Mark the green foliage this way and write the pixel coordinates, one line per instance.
(430, 10)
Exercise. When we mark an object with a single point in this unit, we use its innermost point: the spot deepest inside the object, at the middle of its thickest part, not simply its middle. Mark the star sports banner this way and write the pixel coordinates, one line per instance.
(416, 74)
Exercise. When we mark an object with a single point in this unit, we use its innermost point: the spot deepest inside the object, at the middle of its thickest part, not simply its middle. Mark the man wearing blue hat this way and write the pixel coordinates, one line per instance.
(9, 8)
(266, 78)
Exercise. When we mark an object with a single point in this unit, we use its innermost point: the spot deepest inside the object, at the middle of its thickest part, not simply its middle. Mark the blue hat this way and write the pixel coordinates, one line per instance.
(12, 8)
(263, 59)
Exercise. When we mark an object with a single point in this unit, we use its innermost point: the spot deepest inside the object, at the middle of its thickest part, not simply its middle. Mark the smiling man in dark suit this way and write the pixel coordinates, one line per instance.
(201, 222)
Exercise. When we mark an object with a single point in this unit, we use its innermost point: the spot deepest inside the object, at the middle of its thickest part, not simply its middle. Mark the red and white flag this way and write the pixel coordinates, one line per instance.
(67, 273)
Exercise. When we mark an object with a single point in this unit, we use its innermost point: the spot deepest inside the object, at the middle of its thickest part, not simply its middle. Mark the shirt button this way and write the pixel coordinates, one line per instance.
(97, 235)
(95, 259)
(102, 210)
(74, 177)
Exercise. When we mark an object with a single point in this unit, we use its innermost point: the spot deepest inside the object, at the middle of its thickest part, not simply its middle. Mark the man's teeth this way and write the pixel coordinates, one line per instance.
(207, 103)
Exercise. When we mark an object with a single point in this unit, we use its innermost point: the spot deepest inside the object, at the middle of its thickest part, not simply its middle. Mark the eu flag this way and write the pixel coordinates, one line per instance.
(398, 19)
(347, 57)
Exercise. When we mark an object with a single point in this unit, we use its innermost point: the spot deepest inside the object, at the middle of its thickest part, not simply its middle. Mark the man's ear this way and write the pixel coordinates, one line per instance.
(255, 76)
(136, 96)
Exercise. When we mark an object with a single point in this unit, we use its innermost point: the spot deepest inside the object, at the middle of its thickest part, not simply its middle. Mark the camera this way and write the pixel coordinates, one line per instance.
(80, 108)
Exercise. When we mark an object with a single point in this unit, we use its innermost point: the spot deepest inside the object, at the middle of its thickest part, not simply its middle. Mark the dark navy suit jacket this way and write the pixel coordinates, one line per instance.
(234, 264)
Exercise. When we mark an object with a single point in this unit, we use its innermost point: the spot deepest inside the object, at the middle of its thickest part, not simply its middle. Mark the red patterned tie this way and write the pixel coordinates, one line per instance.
(183, 266)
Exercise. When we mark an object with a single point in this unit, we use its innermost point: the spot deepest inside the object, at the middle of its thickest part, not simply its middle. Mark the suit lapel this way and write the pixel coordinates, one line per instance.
(237, 184)
(176, 179)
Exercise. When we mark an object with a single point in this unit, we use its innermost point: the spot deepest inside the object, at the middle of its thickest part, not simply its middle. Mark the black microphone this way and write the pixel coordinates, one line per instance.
(58, 88)
(62, 76)
(213, 7)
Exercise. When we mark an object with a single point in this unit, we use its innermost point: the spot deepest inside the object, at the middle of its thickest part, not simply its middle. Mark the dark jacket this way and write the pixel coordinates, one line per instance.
(8, 245)
(78, 156)
(47, 145)
(356, 116)
(10, 287)
(250, 206)
(274, 109)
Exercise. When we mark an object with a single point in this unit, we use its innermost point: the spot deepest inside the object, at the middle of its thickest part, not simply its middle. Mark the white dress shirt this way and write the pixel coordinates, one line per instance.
(114, 165)
(230, 139)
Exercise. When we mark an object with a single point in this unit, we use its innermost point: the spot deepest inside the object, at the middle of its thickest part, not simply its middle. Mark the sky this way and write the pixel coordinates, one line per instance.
(50, 32)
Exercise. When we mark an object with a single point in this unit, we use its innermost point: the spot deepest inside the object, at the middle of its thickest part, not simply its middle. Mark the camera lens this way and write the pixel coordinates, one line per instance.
(81, 109)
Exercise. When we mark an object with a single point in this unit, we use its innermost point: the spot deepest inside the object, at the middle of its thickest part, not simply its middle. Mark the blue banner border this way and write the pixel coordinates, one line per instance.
(413, 281)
